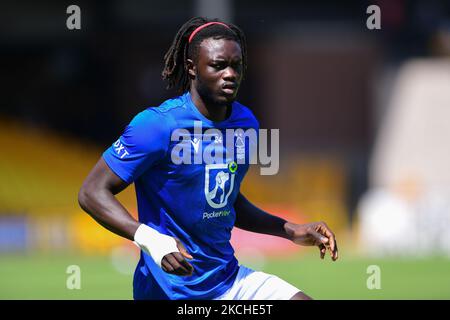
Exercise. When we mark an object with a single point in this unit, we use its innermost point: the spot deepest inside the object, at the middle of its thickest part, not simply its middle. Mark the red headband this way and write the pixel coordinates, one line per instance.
(204, 26)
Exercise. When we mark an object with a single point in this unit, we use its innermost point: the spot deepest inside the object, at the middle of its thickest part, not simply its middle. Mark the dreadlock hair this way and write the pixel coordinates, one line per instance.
(175, 68)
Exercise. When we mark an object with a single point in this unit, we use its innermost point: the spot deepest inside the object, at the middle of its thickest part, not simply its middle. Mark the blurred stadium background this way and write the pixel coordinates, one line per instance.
(364, 119)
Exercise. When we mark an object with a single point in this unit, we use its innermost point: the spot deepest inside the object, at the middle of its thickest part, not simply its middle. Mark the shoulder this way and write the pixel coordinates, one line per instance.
(245, 115)
(149, 125)
(170, 111)
(162, 116)
(171, 106)
(147, 121)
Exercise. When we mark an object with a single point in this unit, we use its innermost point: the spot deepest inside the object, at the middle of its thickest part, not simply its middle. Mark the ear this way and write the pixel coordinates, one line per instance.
(191, 69)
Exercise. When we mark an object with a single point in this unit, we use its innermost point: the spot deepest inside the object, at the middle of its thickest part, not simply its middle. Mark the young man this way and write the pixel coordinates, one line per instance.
(188, 209)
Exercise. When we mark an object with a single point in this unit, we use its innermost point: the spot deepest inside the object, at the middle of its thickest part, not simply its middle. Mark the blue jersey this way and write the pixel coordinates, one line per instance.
(192, 201)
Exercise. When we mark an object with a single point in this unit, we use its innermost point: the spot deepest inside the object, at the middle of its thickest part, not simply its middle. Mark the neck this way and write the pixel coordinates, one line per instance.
(212, 111)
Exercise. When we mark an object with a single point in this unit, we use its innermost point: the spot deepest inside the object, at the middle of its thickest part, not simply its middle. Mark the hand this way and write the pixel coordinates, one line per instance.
(314, 234)
(175, 262)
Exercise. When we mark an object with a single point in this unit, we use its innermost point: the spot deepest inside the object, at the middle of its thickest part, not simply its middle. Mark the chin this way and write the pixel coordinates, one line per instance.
(229, 100)
(226, 99)
(220, 99)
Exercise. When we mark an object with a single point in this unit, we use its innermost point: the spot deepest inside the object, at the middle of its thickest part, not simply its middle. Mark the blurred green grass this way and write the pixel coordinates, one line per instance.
(401, 278)
(44, 277)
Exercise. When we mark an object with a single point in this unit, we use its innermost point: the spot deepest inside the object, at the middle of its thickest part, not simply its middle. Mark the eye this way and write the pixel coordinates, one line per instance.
(218, 65)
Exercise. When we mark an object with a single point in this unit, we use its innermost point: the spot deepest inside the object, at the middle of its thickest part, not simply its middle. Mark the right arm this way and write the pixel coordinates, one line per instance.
(96, 197)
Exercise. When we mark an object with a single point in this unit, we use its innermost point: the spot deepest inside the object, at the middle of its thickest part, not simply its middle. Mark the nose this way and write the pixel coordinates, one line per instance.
(230, 74)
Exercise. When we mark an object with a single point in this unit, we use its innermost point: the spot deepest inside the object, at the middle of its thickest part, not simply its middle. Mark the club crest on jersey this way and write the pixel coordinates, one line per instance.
(219, 183)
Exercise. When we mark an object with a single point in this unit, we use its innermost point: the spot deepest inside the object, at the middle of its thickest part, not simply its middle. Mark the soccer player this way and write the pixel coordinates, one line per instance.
(188, 209)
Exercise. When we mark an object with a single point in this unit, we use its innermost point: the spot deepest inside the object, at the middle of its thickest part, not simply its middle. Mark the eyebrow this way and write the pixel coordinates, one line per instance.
(225, 60)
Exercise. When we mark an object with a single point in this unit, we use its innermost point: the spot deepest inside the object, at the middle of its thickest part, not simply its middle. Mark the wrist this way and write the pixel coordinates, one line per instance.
(289, 229)
(155, 244)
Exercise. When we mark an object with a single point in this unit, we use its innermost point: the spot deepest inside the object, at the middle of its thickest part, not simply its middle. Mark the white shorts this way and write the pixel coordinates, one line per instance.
(257, 285)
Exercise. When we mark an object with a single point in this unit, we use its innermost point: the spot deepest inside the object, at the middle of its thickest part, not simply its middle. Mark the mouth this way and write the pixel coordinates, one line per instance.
(229, 88)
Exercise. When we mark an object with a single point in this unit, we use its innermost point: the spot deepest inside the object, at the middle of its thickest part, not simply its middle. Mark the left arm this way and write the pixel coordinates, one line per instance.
(251, 218)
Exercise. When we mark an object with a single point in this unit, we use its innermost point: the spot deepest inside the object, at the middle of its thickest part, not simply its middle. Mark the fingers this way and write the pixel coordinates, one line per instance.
(318, 238)
(323, 250)
(177, 268)
(176, 264)
(183, 262)
(184, 252)
(166, 266)
(332, 245)
(336, 253)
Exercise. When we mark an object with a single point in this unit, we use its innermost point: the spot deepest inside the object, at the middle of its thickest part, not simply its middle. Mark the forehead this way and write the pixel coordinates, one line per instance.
(211, 49)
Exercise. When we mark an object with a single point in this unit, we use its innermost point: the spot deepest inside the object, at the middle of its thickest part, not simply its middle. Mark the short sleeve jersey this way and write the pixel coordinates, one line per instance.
(187, 172)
